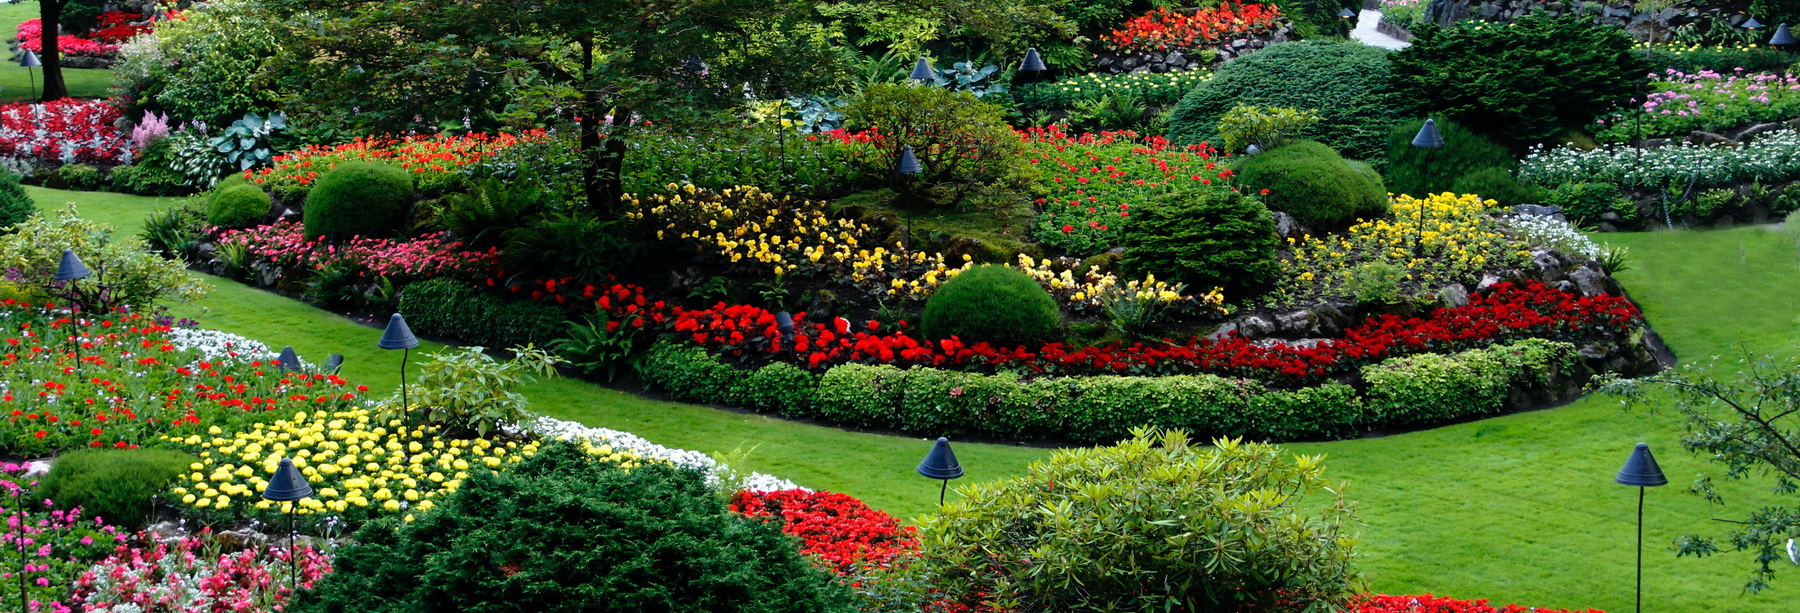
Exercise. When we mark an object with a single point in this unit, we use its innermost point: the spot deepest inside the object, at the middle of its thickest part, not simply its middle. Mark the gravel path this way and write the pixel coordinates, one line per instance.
(1366, 33)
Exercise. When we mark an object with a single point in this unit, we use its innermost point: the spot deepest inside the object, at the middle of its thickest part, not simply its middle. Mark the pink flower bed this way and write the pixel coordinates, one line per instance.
(195, 575)
(63, 131)
(284, 244)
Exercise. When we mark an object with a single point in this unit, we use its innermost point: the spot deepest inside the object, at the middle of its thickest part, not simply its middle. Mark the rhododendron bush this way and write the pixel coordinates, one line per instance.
(65, 131)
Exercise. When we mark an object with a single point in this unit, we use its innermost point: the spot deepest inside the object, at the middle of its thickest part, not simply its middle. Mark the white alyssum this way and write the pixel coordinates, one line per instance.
(557, 429)
(217, 346)
(1774, 156)
(1545, 231)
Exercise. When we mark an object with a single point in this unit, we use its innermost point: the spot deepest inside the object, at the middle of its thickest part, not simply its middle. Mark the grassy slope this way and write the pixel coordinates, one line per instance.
(1517, 509)
(15, 81)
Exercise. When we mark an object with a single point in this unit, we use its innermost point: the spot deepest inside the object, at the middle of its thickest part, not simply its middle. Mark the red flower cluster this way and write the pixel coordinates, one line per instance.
(838, 528)
(118, 26)
(1092, 179)
(31, 36)
(1426, 603)
(63, 131)
(1162, 29)
(434, 159)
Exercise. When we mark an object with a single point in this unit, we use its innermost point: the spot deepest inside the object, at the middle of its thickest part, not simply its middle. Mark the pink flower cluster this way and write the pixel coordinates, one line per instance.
(31, 36)
(284, 244)
(58, 544)
(194, 575)
(66, 131)
(1706, 100)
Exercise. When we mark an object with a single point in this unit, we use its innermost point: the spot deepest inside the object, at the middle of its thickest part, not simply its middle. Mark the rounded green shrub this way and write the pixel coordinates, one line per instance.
(1584, 202)
(113, 484)
(1347, 83)
(1417, 171)
(996, 304)
(16, 206)
(358, 199)
(80, 176)
(566, 532)
(1315, 185)
(237, 206)
(1493, 184)
(1203, 237)
(1375, 184)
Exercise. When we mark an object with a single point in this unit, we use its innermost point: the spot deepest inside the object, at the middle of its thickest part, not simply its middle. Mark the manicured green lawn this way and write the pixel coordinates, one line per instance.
(1519, 508)
(15, 81)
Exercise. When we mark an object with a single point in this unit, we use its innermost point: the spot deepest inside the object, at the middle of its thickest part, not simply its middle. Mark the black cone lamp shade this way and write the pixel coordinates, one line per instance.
(1428, 136)
(290, 361)
(288, 485)
(1033, 62)
(1346, 13)
(30, 60)
(909, 163)
(398, 335)
(1641, 470)
(922, 71)
(1753, 24)
(71, 268)
(941, 462)
(784, 322)
(1783, 37)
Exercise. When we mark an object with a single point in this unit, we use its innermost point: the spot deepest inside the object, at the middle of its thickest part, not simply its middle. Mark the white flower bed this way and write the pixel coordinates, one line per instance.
(1774, 156)
(552, 428)
(216, 346)
(1545, 231)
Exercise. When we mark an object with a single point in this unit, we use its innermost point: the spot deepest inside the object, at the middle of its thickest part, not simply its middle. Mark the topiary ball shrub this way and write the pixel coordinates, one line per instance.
(237, 206)
(1417, 171)
(1205, 238)
(1315, 185)
(1494, 184)
(112, 484)
(1154, 523)
(358, 199)
(565, 532)
(996, 304)
(1347, 83)
(16, 206)
(1375, 184)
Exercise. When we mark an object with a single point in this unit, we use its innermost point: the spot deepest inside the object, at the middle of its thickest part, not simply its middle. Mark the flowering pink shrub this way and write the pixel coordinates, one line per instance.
(66, 131)
(58, 544)
(1705, 100)
(284, 245)
(194, 575)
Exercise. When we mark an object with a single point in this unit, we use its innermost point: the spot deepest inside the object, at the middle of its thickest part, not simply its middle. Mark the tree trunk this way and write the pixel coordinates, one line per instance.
(602, 172)
(50, 14)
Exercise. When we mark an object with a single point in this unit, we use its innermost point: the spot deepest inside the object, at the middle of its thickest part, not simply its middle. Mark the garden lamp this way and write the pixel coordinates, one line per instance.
(1345, 19)
(334, 362)
(1346, 13)
(289, 486)
(399, 336)
(1782, 38)
(1752, 24)
(785, 323)
(922, 71)
(1427, 139)
(71, 269)
(290, 361)
(1641, 470)
(29, 61)
(907, 167)
(1033, 64)
(941, 464)
(1252, 149)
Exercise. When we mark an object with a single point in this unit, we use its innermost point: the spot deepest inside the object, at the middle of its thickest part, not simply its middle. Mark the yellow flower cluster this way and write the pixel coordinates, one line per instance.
(355, 464)
(1089, 291)
(1437, 240)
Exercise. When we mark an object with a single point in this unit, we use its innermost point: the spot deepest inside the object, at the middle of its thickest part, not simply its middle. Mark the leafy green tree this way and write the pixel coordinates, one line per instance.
(1747, 422)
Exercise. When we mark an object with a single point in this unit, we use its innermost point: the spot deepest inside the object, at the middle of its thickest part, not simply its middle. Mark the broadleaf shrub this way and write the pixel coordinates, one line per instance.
(446, 307)
(237, 206)
(112, 484)
(1204, 238)
(1347, 83)
(1315, 185)
(1417, 171)
(964, 146)
(1434, 388)
(563, 532)
(358, 199)
(996, 304)
(1259, 530)
(1584, 202)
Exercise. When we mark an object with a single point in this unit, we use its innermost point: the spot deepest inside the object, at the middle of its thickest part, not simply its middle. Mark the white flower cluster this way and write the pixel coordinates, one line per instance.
(1546, 231)
(557, 429)
(1774, 156)
(216, 346)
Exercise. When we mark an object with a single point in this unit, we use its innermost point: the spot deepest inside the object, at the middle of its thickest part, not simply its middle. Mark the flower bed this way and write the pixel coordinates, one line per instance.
(137, 380)
(284, 246)
(1705, 100)
(1094, 179)
(1426, 603)
(1150, 87)
(435, 161)
(1162, 29)
(1772, 157)
(839, 529)
(1432, 242)
(195, 574)
(60, 544)
(66, 131)
(110, 29)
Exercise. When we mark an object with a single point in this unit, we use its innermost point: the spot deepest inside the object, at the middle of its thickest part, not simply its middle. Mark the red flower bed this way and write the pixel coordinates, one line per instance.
(1163, 29)
(434, 160)
(63, 131)
(838, 528)
(1426, 603)
(1093, 178)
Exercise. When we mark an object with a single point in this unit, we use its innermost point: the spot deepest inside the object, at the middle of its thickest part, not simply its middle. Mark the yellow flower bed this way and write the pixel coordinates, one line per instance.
(1091, 289)
(356, 464)
(1441, 239)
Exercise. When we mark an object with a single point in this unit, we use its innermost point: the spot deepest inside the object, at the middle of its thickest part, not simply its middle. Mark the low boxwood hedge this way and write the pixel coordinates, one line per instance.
(1405, 391)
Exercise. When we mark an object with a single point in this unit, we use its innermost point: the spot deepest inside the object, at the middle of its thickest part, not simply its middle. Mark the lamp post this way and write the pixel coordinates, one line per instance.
(399, 336)
(941, 464)
(290, 361)
(922, 71)
(1641, 470)
(71, 269)
(1344, 17)
(1033, 64)
(289, 486)
(29, 61)
(1427, 139)
(905, 169)
(1752, 25)
(1782, 38)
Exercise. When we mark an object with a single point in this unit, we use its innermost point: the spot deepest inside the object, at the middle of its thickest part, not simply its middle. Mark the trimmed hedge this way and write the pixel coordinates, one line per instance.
(442, 307)
(237, 206)
(934, 402)
(992, 303)
(1347, 83)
